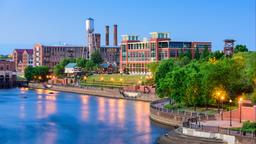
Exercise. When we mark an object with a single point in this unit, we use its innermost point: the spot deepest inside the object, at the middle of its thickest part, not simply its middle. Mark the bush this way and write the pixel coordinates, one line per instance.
(249, 126)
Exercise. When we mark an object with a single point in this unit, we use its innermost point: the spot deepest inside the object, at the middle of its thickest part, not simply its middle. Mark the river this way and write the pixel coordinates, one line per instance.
(50, 117)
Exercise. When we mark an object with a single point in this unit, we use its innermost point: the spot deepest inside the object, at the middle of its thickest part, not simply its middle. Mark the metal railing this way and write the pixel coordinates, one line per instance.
(215, 129)
(181, 115)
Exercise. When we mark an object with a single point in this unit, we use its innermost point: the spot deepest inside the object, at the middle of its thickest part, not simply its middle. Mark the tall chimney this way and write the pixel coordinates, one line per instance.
(115, 35)
(107, 35)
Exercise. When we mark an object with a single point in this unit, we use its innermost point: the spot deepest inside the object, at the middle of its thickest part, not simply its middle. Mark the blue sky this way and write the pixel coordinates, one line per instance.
(26, 22)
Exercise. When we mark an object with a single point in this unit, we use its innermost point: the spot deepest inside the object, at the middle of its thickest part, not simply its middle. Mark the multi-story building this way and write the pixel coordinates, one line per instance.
(22, 58)
(135, 54)
(27, 59)
(46, 55)
(7, 74)
(17, 58)
(110, 54)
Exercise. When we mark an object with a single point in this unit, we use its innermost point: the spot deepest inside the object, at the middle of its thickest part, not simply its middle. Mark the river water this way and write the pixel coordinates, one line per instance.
(50, 117)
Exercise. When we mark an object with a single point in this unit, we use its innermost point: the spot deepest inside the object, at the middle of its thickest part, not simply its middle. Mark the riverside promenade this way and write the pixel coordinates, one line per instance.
(96, 91)
(192, 129)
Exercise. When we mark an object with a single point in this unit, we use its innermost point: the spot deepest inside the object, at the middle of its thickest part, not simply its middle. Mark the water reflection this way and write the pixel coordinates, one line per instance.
(101, 109)
(46, 103)
(142, 122)
(51, 117)
(22, 111)
(84, 107)
(121, 112)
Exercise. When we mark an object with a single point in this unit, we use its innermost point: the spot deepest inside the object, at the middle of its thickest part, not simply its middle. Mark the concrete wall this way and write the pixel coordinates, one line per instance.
(226, 138)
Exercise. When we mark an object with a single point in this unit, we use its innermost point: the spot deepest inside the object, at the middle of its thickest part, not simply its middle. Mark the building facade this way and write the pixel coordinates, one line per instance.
(7, 74)
(135, 54)
(110, 54)
(51, 55)
(22, 58)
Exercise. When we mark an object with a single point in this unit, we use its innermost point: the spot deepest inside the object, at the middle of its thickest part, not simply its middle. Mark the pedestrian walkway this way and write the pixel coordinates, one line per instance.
(221, 123)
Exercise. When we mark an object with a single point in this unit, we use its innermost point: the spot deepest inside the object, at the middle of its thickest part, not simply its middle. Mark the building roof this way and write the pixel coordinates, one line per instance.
(29, 51)
(70, 65)
(106, 65)
(19, 50)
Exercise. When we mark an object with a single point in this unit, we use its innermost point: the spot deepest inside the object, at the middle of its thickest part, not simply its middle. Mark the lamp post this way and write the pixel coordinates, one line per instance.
(112, 80)
(222, 99)
(121, 80)
(218, 98)
(240, 105)
(102, 79)
(230, 113)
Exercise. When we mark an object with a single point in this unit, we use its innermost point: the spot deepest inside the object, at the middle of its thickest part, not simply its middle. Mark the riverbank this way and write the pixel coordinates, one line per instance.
(96, 91)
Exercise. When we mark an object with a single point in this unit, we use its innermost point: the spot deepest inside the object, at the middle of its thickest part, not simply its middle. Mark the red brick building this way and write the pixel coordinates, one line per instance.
(22, 58)
(135, 54)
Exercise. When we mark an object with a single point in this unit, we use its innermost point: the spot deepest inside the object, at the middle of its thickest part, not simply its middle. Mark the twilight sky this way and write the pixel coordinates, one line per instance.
(26, 22)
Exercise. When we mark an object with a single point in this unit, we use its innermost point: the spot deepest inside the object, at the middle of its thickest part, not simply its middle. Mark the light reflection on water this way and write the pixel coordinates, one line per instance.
(44, 116)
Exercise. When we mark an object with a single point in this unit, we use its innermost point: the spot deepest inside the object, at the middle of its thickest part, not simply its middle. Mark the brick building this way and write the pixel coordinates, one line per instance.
(135, 54)
(22, 58)
(47, 55)
(7, 74)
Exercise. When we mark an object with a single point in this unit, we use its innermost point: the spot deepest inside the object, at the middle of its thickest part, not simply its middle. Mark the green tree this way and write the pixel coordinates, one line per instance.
(188, 54)
(29, 73)
(81, 62)
(205, 53)
(90, 65)
(217, 54)
(164, 67)
(58, 70)
(193, 88)
(197, 54)
(96, 57)
(240, 48)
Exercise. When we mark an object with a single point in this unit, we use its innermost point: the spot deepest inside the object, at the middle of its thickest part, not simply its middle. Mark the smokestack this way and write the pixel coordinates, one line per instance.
(107, 35)
(115, 35)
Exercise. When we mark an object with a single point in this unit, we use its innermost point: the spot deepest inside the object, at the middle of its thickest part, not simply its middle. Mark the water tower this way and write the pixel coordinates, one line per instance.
(89, 24)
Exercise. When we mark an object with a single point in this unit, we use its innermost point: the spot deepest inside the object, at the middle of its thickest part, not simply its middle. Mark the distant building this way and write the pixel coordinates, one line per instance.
(27, 59)
(110, 54)
(135, 54)
(22, 58)
(17, 58)
(7, 74)
(47, 55)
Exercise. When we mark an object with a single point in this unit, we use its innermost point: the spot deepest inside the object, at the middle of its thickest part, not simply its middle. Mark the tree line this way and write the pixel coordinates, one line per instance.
(204, 80)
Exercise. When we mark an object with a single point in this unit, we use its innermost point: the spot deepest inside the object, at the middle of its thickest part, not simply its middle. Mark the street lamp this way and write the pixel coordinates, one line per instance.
(230, 113)
(112, 80)
(222, 99)
(218, 94)
(102, 79)
(240, 105)
(121, 80)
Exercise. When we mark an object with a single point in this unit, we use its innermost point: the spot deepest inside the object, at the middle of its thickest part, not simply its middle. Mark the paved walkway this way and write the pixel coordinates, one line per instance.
(221, 123)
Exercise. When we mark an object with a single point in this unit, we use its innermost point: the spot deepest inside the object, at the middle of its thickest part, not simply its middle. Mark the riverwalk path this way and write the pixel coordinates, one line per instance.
(97, 91)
